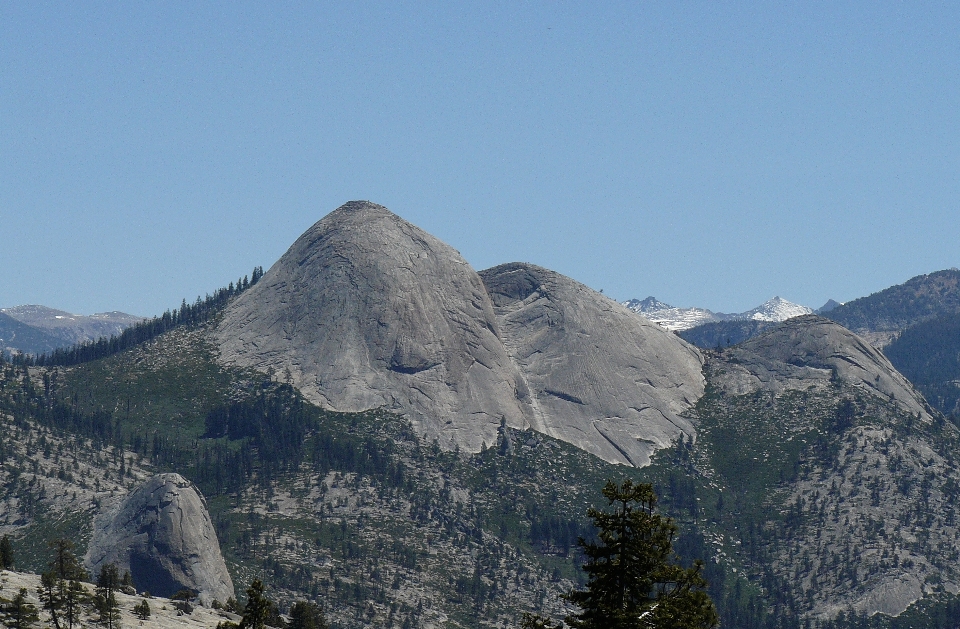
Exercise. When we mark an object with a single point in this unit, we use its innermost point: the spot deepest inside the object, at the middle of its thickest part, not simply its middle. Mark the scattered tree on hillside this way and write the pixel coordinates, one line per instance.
(259, 609)
(633, 580)
(76, 596)
(305, 615)
(65, 563)
(142, 610)
(60, 592)
(20, 614)
(51, 595)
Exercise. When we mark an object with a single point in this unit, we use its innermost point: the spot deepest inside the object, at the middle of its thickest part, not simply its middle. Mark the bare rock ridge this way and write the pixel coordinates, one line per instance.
(162, 534)
(366, 310)
(809, 349)
(600, 377)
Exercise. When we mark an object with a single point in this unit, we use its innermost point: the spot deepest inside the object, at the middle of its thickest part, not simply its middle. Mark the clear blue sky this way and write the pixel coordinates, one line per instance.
(712, 153)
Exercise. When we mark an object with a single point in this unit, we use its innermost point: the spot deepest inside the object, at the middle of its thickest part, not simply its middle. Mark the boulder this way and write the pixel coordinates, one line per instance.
(162, 534)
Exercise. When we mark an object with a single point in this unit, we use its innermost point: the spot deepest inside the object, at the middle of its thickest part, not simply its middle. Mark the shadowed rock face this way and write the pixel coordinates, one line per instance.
(600, 376)
(162, 535)
(366, 310)
(810, 349)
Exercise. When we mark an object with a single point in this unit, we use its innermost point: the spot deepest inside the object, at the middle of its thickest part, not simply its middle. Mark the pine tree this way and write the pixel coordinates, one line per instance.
(65, 564)
(633, 580)
(257, 610)
(51, 592)
(73, 602)
(6, 553)
(106, 601)
(58, 588)
(142, 610)
(19, 613)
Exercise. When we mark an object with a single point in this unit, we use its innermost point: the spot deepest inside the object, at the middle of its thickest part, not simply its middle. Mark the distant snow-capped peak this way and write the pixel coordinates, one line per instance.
(776, 309)
(650, 304)
(677, 319)
(668, 316)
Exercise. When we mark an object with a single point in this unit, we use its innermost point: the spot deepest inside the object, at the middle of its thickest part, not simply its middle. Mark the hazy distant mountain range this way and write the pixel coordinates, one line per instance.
(38, 329)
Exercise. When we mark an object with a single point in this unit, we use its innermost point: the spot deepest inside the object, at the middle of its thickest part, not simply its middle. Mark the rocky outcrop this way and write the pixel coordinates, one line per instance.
(366, 310)
(806, 350)
(162, 534)
(600, 377)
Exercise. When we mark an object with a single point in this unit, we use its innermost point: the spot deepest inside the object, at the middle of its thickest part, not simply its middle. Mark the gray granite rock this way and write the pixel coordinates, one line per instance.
(162, 534)
(366, 310)
(809, 349)
(599, 376)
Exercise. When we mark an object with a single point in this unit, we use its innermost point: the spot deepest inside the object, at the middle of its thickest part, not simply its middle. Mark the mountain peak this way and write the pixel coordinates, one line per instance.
(827, 307)
(366, 310)
(361, 207)
(776, 309)
(649, 305)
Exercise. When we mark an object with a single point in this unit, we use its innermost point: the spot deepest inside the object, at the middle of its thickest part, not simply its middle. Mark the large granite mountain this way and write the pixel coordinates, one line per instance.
(366, 310)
